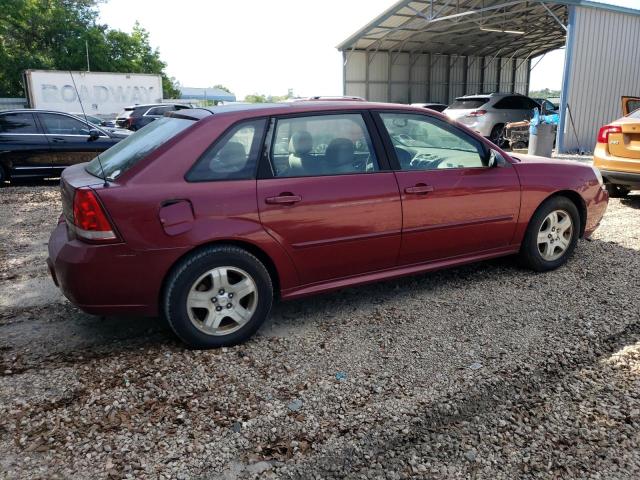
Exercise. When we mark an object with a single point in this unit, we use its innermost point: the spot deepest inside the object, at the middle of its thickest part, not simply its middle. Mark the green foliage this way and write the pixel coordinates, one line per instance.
(51, 34)
(259, 98)
(544, 93)
(222, 87)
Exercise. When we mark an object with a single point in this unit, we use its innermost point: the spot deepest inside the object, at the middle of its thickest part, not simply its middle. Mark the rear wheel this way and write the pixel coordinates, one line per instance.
(217, 297)
(617, 191)
(552, 235)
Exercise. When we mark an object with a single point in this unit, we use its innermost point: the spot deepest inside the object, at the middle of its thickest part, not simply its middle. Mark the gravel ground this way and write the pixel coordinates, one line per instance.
(486, 371)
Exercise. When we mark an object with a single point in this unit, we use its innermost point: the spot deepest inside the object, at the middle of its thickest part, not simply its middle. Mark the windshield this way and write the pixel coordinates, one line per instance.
(635, 113)
(126, 153)
(468, 103)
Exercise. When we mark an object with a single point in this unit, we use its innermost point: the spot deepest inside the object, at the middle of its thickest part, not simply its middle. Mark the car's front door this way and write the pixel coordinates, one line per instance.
(453, 203)
(328, 198)
(69, 141)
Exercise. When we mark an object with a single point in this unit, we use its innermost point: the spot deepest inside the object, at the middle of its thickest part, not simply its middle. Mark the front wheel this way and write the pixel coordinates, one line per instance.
(217, 297)
(552, 235)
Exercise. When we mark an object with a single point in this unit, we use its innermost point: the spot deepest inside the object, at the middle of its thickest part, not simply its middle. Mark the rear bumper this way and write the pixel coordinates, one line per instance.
(108, 279)
(622, 178)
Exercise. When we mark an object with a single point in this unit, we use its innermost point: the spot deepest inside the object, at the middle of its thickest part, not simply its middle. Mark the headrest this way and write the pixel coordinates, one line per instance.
(232, 151)
(301, 143)
(340, 147)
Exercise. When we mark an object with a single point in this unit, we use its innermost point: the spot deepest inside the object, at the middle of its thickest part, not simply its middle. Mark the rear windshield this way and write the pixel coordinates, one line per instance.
(126, 153)
(468, 103)
(635, 114)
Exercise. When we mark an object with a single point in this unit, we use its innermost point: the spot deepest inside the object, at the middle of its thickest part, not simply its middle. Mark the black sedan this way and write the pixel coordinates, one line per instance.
(40, 143)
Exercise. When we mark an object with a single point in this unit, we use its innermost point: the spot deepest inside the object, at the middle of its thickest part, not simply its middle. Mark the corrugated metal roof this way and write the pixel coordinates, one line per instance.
(207, 94)
(522, 28)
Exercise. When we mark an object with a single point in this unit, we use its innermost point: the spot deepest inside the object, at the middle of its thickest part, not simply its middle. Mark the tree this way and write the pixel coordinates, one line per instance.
(255, 98)
(222, 87)
(258, 98)
(52, 34)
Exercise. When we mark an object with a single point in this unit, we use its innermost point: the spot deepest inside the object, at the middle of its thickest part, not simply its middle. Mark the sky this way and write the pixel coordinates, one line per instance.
(267, 47)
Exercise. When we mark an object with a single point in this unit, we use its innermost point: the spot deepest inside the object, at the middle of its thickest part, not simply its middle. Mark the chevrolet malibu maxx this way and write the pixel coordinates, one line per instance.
(205, 217)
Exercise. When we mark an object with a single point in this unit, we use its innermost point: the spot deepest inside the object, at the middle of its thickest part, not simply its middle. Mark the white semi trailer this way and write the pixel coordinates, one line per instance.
(103, 94)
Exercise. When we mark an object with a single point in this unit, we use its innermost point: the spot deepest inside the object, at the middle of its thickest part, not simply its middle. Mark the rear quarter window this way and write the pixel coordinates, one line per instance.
(233, 157)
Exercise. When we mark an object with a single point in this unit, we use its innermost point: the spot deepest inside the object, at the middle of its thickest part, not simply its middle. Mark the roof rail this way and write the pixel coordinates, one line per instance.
(328, 98)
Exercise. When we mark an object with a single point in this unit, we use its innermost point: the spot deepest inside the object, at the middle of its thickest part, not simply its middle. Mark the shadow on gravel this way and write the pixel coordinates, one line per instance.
(60, 333)
(632, 201)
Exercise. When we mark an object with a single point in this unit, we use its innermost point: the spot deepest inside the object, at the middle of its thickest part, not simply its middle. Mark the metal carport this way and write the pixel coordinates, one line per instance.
(436, 50)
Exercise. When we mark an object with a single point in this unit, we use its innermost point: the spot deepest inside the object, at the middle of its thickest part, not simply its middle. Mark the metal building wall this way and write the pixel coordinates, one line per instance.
(402, 77)
(602, 63)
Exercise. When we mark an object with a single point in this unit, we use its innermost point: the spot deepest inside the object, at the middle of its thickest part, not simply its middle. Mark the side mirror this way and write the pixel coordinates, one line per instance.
(93, 135)
(495, 160)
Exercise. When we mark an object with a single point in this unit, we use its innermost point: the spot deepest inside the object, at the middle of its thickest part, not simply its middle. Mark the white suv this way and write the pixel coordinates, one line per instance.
(487, 114)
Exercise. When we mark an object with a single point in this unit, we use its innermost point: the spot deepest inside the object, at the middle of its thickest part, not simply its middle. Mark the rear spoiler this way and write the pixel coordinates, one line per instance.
(194, 114)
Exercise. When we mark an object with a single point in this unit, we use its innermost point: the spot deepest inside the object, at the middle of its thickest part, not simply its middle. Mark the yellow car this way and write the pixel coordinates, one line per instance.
(617, 153)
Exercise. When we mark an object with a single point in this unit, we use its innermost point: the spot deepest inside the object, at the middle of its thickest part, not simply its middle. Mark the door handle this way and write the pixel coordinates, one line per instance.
(419, 189)
(283, 199)
(58, 140)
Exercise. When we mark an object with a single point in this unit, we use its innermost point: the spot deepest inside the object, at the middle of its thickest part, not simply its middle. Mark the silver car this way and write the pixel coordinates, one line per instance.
(488, 114)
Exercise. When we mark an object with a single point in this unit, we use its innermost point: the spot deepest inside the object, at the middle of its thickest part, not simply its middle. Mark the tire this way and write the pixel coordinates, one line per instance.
(497, 135)
(3, 175)
(617, 191)
(555, 251)
(199, 279)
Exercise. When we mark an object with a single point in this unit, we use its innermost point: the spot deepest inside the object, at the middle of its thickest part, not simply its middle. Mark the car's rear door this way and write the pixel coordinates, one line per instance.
(23, 147)
(69, 141)
(326, 195)
(453, 204)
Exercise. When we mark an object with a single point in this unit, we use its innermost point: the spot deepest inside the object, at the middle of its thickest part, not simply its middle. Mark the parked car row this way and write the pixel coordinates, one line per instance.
(488, 114)
(42, 143)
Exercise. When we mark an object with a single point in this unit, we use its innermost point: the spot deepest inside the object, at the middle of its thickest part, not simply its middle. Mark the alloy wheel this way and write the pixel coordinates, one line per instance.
(554, 236)
(222, 300)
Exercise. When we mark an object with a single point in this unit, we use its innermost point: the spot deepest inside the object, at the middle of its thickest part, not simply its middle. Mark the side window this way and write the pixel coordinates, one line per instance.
(233, 157)
(62, 125)
(507, 103)
(425, 143)
(322, 145)
(18, 123)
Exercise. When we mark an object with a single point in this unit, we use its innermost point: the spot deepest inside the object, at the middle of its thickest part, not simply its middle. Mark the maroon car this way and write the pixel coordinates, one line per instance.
(206, 216)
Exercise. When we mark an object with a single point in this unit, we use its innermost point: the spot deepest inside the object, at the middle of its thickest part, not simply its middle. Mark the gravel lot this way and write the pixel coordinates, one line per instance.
(486, 371)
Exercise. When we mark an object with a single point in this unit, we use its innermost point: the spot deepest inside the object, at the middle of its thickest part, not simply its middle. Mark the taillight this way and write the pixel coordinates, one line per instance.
(89, 218)
(603, 134)
(129, 122)
(476, 113)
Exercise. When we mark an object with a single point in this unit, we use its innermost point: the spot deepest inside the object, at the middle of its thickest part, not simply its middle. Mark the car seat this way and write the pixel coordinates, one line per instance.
(339, 156)
(301, 162)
